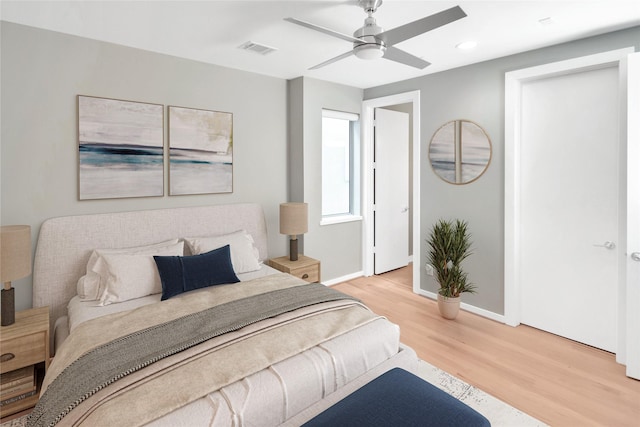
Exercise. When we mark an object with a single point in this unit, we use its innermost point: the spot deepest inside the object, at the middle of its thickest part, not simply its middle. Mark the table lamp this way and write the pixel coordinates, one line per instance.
(293, 221)
(15, 263)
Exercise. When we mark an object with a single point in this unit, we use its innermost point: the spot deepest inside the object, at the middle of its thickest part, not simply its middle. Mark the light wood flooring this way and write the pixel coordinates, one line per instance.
(558, 381)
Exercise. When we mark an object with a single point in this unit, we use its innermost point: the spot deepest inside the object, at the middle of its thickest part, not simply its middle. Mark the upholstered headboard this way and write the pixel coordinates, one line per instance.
(65, 243)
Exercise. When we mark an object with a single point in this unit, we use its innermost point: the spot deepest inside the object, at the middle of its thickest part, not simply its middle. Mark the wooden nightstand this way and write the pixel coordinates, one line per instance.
(305, 268)
(24, 344)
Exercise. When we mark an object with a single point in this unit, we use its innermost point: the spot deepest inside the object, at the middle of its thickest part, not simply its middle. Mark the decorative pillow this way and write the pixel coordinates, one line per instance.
(244, 255)
(180, 274)
(131, 276)
(91, 286)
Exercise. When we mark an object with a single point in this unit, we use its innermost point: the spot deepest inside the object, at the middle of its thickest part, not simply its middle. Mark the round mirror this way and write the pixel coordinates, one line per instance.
(460, 151)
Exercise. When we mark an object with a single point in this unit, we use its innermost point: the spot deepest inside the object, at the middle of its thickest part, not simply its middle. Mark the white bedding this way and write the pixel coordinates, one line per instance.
(291, 385)
(271, 396)
(80, 311)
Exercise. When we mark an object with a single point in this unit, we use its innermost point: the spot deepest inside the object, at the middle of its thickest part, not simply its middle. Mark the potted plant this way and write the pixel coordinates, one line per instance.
(449, 244)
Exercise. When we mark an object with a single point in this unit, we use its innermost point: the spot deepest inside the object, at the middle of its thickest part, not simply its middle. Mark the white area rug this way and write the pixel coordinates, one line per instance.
(496, 411)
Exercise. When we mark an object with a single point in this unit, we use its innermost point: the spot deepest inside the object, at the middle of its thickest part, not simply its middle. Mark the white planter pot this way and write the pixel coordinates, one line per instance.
(448, 307)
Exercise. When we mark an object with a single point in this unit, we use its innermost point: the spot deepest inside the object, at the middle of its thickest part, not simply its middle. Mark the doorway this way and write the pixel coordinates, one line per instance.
(391, 177)
(369, 106)
(565, 225)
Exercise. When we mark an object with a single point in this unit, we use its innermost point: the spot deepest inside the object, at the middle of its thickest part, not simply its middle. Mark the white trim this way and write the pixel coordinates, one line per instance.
(467, 307)
(334, 114)
(339, 219)
(513, 86)
(632, 295)
(342, 279)
(431, 295)
(368, 107)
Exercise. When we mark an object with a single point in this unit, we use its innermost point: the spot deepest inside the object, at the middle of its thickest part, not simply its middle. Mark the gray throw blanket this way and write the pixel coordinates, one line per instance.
(112, 361)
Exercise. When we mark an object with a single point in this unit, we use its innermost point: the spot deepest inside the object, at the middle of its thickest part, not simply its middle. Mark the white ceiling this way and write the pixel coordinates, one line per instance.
(211, 31)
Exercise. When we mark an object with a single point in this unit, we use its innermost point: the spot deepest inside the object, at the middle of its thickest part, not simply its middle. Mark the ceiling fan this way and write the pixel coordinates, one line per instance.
(372, 42)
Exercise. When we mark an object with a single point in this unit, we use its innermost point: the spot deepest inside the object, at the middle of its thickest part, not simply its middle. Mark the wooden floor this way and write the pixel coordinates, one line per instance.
(558, 381)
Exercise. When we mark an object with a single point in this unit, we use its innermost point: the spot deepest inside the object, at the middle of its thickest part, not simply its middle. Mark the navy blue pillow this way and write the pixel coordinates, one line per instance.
(180, 274)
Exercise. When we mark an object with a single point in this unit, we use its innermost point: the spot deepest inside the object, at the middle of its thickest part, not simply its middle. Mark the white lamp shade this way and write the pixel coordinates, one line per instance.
(15, 252)
(294, 218)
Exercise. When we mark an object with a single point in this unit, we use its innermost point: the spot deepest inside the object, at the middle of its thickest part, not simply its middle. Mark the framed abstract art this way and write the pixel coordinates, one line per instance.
(120, 148)
(200, 151)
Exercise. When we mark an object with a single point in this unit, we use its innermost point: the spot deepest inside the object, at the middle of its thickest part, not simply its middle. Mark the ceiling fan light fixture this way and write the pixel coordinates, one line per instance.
(369, 51)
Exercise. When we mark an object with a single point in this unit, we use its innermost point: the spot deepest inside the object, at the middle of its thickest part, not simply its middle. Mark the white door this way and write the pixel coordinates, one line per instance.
(391, 190)
(570, 205)
(633, 218)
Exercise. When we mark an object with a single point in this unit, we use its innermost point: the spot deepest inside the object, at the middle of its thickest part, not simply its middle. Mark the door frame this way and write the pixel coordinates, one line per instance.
(513, 86)
(368, 107)
(631, 354)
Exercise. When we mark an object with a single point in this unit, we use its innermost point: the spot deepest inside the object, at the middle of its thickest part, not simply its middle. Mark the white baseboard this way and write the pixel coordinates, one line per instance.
(467, 307)
(343, 278)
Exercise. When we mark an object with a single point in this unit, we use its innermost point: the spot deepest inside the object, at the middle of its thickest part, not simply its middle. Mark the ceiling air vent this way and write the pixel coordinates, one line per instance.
(257, 48)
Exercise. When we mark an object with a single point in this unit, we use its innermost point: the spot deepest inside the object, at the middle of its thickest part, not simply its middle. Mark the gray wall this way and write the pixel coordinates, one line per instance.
(476, 93)
(44, 71)
(338, 246)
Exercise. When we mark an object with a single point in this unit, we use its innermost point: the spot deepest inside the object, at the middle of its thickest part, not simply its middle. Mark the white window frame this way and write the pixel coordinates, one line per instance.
(355, 167)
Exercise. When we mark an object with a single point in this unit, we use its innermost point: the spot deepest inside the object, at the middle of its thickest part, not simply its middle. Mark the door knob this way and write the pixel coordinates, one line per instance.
(405, 209)
(635, 256)
(608, 245)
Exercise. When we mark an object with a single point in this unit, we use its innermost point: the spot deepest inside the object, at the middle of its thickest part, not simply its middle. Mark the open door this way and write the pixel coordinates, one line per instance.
(391, 190)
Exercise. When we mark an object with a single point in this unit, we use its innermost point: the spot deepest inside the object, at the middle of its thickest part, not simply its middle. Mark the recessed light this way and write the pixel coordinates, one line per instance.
(467, 45)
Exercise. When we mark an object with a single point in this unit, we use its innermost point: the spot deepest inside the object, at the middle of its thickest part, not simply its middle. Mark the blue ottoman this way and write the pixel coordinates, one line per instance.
(399, 398)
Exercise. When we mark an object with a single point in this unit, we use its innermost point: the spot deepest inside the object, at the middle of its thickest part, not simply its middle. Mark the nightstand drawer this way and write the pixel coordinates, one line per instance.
(309, 273)
(22, 351)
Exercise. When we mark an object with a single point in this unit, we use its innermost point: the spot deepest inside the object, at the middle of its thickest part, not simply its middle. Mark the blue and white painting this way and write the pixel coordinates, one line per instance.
(200, 151)
(471, 153)
(120, 148)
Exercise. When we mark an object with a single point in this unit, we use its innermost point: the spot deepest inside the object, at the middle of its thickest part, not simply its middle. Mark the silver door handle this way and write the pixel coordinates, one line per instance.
(608, 245)
(635, 256)
(405, 209)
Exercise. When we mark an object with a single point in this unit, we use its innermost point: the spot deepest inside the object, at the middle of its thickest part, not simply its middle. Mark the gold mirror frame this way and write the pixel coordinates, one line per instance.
(460, 152)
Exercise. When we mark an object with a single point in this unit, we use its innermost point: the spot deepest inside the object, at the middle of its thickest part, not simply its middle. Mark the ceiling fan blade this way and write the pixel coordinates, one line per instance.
(397, 55)
(415, 28)
(332, 60)
(325, 30)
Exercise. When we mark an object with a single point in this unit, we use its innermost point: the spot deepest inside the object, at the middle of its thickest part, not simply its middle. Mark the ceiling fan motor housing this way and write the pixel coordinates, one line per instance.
(370, 46)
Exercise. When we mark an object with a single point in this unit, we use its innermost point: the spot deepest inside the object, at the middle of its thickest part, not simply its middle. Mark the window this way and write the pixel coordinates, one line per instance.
(340, 166)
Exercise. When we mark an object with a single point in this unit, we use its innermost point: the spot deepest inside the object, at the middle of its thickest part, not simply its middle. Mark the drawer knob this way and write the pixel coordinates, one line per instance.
(6, 357)
(305, 276)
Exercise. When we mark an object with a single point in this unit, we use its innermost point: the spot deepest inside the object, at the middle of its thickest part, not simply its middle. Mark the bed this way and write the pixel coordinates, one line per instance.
(259, 348)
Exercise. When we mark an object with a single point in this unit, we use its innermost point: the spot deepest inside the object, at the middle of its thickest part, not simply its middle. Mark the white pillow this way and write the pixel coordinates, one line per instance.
(131, 276)
(244, 254)
(91, 285)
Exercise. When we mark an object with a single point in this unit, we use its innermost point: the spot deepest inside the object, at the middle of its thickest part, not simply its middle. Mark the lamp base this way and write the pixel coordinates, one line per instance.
(8, 307)
(293, 249)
